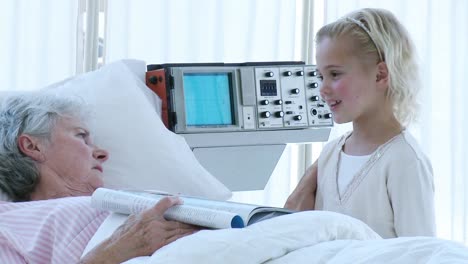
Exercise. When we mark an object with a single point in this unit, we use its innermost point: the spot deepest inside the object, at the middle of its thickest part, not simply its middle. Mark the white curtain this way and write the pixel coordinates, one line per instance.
(440, 32)
(38, 42)
(162, 31)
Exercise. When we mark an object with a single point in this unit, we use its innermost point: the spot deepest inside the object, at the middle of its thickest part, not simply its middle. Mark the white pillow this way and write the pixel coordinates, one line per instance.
(143, 153)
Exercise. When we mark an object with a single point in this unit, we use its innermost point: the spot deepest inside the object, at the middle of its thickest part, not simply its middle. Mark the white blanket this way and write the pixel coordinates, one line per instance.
(389, 251)
(306, 237)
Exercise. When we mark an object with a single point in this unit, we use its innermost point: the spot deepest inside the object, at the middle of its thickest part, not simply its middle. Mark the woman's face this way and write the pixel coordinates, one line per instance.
(71, 164)
(348, 86)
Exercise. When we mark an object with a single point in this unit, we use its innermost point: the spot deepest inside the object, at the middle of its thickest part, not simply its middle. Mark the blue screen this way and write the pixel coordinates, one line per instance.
(208, 99)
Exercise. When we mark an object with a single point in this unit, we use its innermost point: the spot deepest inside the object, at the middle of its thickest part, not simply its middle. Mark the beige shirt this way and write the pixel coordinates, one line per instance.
(393, 192)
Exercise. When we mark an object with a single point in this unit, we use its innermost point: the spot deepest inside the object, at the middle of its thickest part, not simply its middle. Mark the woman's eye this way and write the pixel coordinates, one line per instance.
(83, 135)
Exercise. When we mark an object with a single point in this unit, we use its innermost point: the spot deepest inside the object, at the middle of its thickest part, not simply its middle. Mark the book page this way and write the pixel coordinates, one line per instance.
(241, 209)
(130, 203)
(250, 213)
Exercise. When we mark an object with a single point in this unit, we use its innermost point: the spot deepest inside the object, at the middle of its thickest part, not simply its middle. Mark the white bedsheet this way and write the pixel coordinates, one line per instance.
(306, 237)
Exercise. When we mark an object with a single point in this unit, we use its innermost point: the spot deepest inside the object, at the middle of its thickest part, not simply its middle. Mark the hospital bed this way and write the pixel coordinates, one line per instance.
(124, 107)
(305, 237)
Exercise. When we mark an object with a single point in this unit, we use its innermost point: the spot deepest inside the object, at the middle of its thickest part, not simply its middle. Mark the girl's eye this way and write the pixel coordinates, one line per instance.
(334, 74)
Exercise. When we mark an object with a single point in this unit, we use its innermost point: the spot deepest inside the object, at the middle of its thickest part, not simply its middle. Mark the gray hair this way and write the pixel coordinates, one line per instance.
(34, 114)
(380, 36)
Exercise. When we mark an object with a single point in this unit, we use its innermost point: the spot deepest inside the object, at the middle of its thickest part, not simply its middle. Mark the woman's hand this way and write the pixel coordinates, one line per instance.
(141, 235)
(303, 197)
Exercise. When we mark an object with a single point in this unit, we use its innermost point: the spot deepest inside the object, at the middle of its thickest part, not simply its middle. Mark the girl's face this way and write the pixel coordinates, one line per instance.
(349, 87)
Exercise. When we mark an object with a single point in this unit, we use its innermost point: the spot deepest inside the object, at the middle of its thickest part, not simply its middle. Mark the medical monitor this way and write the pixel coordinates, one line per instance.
(238, 117)
(199, 98)
(208, 99)
(205, 99)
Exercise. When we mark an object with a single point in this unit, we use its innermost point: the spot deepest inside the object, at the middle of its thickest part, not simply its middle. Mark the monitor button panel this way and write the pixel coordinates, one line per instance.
(289, 97)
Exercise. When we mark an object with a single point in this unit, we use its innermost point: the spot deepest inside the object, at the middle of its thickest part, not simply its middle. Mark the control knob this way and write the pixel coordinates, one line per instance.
(265, 114)
(287, 73)
(327, 115)
(265, 102)
(313, 85)
(295, 91)
(269, 74)
(279, 102)
(298, 117)
(314, 98)
(153, 79)
(279, 114)
(300, 73)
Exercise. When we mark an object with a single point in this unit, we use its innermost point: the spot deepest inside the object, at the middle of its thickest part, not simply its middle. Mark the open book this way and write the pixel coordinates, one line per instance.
(195, 211)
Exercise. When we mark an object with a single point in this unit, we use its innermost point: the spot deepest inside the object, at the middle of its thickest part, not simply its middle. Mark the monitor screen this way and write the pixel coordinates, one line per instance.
(208, 99)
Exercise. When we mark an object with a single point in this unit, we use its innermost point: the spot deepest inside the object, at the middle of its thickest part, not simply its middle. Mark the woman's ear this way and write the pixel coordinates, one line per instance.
(382, 73)
(31, 147)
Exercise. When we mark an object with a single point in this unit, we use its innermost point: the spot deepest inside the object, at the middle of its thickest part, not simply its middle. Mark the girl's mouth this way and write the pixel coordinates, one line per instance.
(333, 104)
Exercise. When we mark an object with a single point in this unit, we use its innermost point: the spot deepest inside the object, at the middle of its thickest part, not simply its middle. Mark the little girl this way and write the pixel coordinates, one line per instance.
(377, 172)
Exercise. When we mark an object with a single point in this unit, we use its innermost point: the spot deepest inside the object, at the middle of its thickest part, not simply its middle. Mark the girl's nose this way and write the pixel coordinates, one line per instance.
(324, 90)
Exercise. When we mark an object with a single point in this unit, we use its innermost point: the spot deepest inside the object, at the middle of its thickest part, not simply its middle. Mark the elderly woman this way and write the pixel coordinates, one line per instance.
(47, 160)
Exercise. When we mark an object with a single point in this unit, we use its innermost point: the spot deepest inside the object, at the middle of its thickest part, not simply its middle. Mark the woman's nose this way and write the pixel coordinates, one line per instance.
(100, 154)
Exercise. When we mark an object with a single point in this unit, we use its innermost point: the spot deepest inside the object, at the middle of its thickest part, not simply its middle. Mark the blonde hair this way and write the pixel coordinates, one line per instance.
(379, 35)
